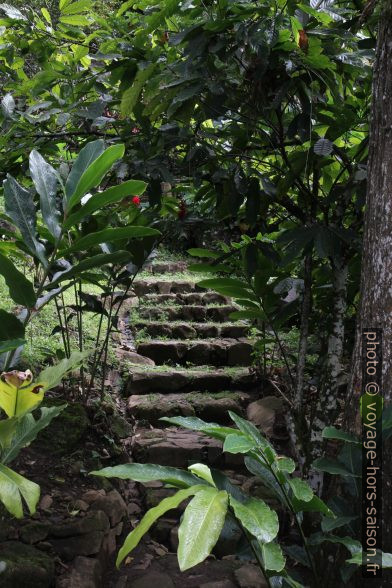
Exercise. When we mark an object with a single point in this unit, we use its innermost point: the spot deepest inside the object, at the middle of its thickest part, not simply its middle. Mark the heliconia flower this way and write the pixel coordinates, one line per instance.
(136, 200)
(182, 210)
(303, 41)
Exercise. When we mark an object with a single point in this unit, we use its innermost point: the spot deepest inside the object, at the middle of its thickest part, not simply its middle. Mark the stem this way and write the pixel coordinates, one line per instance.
(61, 327)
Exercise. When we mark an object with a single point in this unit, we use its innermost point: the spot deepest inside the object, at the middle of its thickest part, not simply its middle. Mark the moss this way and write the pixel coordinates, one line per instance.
(66, 431)
(25, 566)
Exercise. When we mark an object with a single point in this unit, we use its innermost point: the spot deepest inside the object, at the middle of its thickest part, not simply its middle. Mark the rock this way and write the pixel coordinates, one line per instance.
(83, 536)
(250, 576)
(86, 572)
(240, 354)
(46, 502)
(184, 332)
(64, 432)
(81, 505)
(262, 413)
(163, 351)
(34, 532)
(92, 495)
(135, 358)
(112, 505)
(152, 579)
(26, 566)
(219, 584)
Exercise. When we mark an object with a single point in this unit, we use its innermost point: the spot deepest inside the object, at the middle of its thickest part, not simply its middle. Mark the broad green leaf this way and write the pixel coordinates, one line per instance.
(8, 105)
(301, 489)
(151, 516)
(17, 401)
(111, 234)
(205, 268)
(147, 472)
(314, 505)
(52, 375)
(203, 253)
(20, 208)
(196, 424)
(13, 487)
(76, 20)
(257, 518)
(238, 444)
(202, 471)
(273, 557)
(217, 283)
(109, 196)
(10, 327)
(100, 260)
(249, 430)
(94, 174)
(46, 15)
(328, 524)
(21, 290)
(12, 12)
(334, 433)
(285, 464)
(131, 94)
(201, 526)
(12, 344)
(27, 430)
(76, 7)
(86, 157)
(45, 181)
(332, 466)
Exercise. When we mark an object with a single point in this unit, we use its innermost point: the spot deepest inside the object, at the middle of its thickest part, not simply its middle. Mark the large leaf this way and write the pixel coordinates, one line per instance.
(27, 430)
(109, 196)
(334, 433)
(257, 518)
(131, 94)
(196, 424)
(151, 516)
(21, 290)
(93, 175)
(118, 258)
(11, 344)
(53, 375)
(13, 487)
(111, 234)
(314, 505)
(20, 208)
(10, 327)
(238, 444)
(273, 557)
(45, 181)
(86, 157)
(249, 430)
(301, 489)
(201, 526)
(332, 466)
(17, 401)
(358, 558)
(147, 472)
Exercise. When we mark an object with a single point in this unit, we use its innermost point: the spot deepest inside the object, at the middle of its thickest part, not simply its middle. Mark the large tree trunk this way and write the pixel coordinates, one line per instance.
(376, 277)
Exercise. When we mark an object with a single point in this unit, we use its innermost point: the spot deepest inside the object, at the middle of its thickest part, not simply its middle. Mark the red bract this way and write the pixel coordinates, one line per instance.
(182, 210)
(136, 200)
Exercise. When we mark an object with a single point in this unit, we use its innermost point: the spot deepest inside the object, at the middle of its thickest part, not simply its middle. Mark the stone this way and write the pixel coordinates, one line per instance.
(219, 584)
(46, 502)
(34, 532)
(81, 505)
(26, 566)
(92, 495)
(240, 354)
(184, 332)
(142, 382)
(94, 521)
(163, 351)
(151, 580)
(112, 505)
(134, 358)
(65, 432)
(262, 413)
(86, 572)
(250, 576)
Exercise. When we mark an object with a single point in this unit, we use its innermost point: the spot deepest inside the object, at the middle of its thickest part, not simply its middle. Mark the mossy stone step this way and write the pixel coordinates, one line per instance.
(164, 267)
(145, 381)
(143, 287)
(177, 447)
(209, 407)
(190, 330)
(217, 352)
(198, 314)
(193, 298)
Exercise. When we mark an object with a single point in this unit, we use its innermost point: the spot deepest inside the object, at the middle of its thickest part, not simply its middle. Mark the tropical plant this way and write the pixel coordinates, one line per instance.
(19, 398)
(216, 499)
(80, 237)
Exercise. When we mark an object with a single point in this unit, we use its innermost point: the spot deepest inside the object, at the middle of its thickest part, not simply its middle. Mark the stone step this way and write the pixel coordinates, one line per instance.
(207, 406)
(198, 314)
(177, 447)
(217, 352)
(192, 298)
(145, 381)
(143, 287)
(190, 330)
(166, 267)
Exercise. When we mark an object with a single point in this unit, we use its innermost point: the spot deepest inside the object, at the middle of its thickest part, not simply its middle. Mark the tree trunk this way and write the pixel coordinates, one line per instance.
(376, 276)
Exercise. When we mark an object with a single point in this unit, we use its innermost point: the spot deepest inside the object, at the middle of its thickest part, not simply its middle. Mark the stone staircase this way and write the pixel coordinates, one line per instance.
(203, 368)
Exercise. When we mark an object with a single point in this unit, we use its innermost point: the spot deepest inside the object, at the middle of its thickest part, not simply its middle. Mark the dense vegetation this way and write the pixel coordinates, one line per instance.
(237, 131)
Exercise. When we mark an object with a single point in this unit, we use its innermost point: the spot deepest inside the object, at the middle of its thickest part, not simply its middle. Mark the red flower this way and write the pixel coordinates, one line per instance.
(303, 41)
(136, 200)
(182, 210)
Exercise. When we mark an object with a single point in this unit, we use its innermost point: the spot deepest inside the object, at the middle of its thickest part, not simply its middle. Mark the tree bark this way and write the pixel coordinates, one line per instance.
(376, 274)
